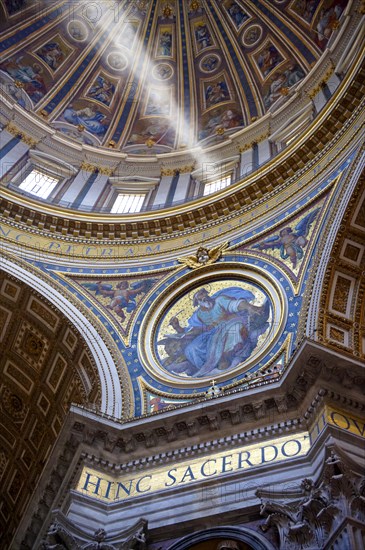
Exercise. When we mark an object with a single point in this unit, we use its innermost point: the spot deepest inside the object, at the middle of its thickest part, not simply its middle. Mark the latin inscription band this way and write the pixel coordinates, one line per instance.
(111, 489)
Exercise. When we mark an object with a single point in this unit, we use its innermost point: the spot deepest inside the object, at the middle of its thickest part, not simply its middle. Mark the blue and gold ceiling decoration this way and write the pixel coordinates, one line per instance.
(153, 76)
(236, 319)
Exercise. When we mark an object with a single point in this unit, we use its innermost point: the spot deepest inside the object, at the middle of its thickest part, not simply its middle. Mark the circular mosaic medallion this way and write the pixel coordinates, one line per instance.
(252, 35)
(212, 328)
(210, 63)
(117, 61)
(162, 71)
(77, 30)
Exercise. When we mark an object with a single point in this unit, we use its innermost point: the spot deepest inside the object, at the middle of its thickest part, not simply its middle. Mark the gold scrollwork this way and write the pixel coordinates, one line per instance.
(167, 172)
(15, 131)
(248, 146)
(324, 81)
(180, 170)
(92, 168)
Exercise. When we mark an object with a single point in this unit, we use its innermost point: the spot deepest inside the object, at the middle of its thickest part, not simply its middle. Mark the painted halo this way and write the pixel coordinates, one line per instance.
(217, 325)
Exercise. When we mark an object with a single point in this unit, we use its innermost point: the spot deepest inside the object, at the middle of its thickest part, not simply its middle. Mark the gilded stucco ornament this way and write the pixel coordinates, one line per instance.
(87, 167)
(17, 132)
(204, 256)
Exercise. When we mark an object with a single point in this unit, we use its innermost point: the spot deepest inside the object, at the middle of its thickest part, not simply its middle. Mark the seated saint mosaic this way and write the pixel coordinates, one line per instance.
(214, 329)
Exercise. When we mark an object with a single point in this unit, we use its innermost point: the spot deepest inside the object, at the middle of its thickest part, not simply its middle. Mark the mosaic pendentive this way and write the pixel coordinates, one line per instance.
(290, 243)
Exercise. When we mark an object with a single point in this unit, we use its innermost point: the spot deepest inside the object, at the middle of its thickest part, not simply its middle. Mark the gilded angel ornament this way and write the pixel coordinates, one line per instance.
(204, 256)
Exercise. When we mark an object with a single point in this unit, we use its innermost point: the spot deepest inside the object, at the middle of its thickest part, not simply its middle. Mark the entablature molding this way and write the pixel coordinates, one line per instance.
(312, 380)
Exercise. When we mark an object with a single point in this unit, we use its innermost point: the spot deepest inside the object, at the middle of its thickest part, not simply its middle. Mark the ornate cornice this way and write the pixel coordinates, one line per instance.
(168, 171)
(289, 402)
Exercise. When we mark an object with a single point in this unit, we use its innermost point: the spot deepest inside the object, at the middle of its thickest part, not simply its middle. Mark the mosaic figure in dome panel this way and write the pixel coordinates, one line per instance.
(165, 42)
(160, 131)
(159, 102)
(280, 83)
(321, 17)
(128, 35)
(77, 30)
(102, 90)
(162, 71)
(328, 20)
(210, 63)
(155, 403)
(85, 115)
(252, 35)
(236, 13)
(216, 92)
(268, 59)
(306, 9)
(28, 74)
(8, 86)
(226, 117)
(54, 53)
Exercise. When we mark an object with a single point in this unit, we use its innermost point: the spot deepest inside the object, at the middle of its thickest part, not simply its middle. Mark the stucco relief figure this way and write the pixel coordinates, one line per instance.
(204, 256)
(221, 333)
(291, 243)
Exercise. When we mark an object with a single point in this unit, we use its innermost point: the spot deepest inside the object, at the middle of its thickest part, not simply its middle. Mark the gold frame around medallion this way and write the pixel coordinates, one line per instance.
(229, 270)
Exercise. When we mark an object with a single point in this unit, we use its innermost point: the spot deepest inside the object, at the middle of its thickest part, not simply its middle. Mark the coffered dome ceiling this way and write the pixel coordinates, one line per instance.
(153, 76)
